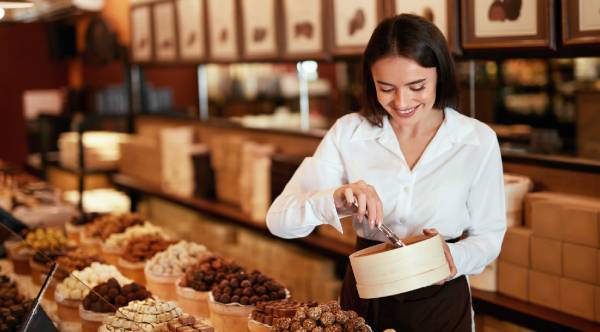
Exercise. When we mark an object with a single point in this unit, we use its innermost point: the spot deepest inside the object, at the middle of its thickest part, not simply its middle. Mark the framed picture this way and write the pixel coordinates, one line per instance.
(443, 13)
(165, 31)
(223, 42)
(190, 28)
(141, 33)
(259, 29)
(303, 23)
(581, 22)
(507, 24)
(353, 24)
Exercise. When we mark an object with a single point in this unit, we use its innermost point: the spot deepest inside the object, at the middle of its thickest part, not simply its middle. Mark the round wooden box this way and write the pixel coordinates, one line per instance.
(67, 310)
(20, 261)
(133, 271)
(90, 245)
(255, 326)
(383, 270)
(91, 321)
(73, 232)
(161, 286)
(38, 272)
(110, 255)
(229, 317)
(192, 301)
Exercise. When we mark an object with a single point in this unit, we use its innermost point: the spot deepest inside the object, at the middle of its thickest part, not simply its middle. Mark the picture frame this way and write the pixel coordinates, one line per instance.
(489, 24)
(165, 31)
(304, 29)
(580, 22)
(353, 23)
(443, 13)
(191, 31)
(223, 30)
(259, 29)
(142, 49)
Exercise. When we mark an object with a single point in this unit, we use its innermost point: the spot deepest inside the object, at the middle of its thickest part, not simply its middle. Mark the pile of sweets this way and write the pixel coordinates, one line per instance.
(45, 238)
(265, 312)
(109, 295)
(118, 241)
(202, 276)
(322, 318)
(47, 256)
(85, 218)
(75, 287)
(247, 289)
(74, 261)
(142, 248)
(109, 224)
(176, 259)
(146, 315)
(13, 305)
(187, 323)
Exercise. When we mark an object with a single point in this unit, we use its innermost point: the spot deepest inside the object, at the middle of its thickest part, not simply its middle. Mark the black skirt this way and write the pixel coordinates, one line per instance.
(444, 307)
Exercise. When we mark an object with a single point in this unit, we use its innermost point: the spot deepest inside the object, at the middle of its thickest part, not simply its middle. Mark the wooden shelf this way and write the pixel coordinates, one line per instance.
(528, 314)
(503, 307)
(227, 211)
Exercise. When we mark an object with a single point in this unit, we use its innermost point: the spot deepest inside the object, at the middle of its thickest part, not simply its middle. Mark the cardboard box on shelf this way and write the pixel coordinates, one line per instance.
(515, 187)
(513, 280)
(546, 255)
(577, 298)
(515, 248)
(546, 219)
(528, 201)
(544, 289)
(487, 280)
(580, 262)
(255, 179)
(581, 224)
(141, 158)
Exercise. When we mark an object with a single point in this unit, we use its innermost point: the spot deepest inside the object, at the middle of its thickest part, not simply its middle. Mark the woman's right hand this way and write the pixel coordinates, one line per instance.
(367, 200)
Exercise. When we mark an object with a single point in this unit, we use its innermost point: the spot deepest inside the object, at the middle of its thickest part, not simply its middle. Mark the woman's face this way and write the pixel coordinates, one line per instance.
(405, 89)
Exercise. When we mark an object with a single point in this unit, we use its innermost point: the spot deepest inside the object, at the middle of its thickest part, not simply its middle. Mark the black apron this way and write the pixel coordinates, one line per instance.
(444, 307)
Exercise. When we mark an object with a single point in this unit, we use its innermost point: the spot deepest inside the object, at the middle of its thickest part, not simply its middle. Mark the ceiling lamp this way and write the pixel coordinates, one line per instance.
(15, 4)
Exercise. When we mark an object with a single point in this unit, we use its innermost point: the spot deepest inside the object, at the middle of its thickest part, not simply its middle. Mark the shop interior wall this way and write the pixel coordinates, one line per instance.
(544, 177)
(25, 63)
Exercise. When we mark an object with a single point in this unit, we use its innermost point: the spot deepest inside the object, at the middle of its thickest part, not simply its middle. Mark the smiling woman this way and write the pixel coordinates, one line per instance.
(412, 162)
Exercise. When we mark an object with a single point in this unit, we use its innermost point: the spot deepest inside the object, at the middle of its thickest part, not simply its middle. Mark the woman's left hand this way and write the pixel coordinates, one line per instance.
(433, 231)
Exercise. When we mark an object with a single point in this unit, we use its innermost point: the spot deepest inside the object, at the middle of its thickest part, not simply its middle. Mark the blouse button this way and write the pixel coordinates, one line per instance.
(406, 189)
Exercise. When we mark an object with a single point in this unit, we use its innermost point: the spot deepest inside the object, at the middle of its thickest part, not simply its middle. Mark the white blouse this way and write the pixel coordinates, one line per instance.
(456, 186)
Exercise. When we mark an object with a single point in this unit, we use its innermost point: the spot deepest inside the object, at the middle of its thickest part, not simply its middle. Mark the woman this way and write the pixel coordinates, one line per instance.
(412, 162)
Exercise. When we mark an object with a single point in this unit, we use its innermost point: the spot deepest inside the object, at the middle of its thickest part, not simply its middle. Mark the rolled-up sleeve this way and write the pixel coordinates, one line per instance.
(486, 205)
(307, 200)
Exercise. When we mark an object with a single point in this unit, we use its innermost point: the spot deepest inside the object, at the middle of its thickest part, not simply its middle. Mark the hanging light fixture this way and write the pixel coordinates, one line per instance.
(15, 4)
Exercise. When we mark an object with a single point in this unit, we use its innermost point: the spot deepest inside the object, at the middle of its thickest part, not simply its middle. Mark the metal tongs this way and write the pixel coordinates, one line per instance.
(389, 234)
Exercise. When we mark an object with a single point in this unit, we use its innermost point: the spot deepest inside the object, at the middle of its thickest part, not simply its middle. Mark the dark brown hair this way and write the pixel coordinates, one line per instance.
(415, 38)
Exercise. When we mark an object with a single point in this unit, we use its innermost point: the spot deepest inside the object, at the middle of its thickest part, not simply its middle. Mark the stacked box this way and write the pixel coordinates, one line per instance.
(565, 256)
